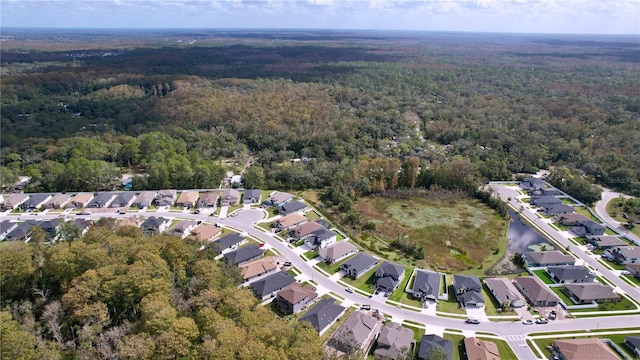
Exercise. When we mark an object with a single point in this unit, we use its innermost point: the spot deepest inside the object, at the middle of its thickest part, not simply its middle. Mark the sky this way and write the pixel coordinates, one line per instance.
(511, 16)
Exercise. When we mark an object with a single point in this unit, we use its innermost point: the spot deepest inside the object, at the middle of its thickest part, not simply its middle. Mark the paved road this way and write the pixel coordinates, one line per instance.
(513, 332)
(601, 210)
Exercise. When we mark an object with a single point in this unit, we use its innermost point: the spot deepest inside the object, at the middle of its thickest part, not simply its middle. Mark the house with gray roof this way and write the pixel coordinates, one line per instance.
(535, 291)
(294, 298)
(570, 274)
(570, 219)
(545, 192)
(426, 285)
(101, 200)
(207, 200)
(252, 197)
(83, 225)
(606, 241)
(154, 225)
(6, 227)
(51, 227)
(358, 265)
(388, 276)
(431, 343)
(183, 228)
(545, 201)
(144, 199)
(633, 269)
(123, 199)
(623, 254)
(588, 228)
(557, 209)
(230, 197)
(35, 201)
(633, 343)
(291, 207)
(357, 333)
(244, 254)
(323, 314)
(590, 293)
(468, 290)
(532, 183)
(505, 293)
(338, 251)
(394, 342)
(548, 258)
(321, 238)
(227, 243)
(166, 197)
(21, 232)
(270, 285)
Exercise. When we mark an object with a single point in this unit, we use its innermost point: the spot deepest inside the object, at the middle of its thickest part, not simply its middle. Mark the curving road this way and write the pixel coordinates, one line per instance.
(601, 210)
(512, 332)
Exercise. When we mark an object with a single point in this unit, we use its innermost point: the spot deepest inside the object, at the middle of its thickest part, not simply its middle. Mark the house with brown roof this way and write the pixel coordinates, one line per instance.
(13, 201)
(590, 293)
(187, 199)
(230, 197)
(144, 199)
(535, 291)
(338, 251)
(255, 269)
(79, 200)
(585, 348)
(504, 292)
(294, 298)
(624, 255)
(357, 333)
(548, 258)
(278, 199)
(58, 201)
(289, 221)
(394, 342)
(305, 230)
(480, 349)
(634, 269)
(208, 200)
(205, 233)
(604, 242)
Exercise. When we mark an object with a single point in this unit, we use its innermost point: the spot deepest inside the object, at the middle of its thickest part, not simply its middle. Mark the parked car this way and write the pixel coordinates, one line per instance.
(287, 263)
(349, 290)
(542, 321)
(472, 321)
(527, 322)
(365, 307)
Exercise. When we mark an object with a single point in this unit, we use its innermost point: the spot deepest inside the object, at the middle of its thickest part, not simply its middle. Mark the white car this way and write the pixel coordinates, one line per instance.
(527, 322)
(349, 290)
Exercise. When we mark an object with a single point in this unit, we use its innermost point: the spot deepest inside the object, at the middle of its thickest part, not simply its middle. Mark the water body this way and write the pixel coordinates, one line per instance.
(522, 238)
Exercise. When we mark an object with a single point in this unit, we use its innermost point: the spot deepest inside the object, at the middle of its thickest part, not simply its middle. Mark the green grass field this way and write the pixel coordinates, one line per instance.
(458, 345)
(542, 274)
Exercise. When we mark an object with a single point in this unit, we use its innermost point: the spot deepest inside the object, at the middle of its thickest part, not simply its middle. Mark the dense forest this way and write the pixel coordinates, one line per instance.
(115, 294)
(366, 112)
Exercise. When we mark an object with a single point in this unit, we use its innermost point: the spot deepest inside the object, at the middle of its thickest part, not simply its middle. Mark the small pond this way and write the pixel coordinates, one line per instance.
(523, 238)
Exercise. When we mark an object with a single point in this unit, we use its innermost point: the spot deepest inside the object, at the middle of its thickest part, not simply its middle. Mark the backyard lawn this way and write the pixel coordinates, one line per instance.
(364, 282)
(565, 299)
(458, 345)
(623, 304)
(400, 290)
(542, 274)
(311, 254)
(582, 210)
(332, 268)
(451, 305)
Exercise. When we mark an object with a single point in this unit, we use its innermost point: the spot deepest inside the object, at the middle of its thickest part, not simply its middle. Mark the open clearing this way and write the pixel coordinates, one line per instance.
(458, 234)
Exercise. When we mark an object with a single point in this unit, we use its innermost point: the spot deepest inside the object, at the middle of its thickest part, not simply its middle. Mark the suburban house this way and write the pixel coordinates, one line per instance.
(58, 201)
(584, 348)
(468, 290)
(634, 269)
(123, 199)
(570, 219)
(13, 201)
(166, 197)
(268, 286)
(79, 200)
(323, 314)
(6, 227)
(294, 298)
(305, 230)
(589, 293)
(480, 349)
(257, 268)
(230, 197)
(337, 251)
(183, 228)
(623, 254)
(144, 199)
(244, 254)
(227, 243)
(51, 227)
(35, 201)
(187, 199)
(505, 293)
(557, 209)
(545, 201)
(605, 242)
(205, 233)
(358, 265)
(394, 342)
(535, 291)
(357, 333)
(21, 232)
(321, 238)
(570, 274)
(545, 192)
(208, 200)
(532, 183)
(251, 197)
(155, 225)
(431, 343)
(134, 221)
(588, 228)
(426, 285)
(289, 221)
(83, 225)
(278, 199)
(291, 207)
(548, 258)
(633, 343)
(388, 276)
(101, 200)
